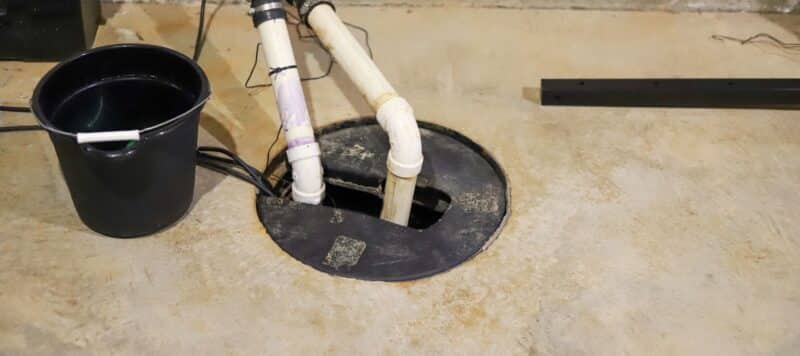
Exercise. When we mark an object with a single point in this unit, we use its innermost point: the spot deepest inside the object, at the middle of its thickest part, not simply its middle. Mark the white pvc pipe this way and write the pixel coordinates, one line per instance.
(394, 113)
(303, 151)
(351, 56)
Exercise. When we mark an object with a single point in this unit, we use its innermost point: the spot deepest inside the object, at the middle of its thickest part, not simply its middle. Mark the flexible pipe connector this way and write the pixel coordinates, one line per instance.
(393, 112)
(303, 151)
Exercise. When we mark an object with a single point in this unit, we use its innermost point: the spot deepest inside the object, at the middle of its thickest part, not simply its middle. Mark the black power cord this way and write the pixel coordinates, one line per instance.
(306, 79)
(766, 37)
(14, 108)
(234, 166)
(20, 128)
(199, 41)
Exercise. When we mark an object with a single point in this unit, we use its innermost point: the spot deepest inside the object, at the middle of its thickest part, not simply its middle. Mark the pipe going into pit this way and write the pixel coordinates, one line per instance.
(303, 152)
(394, 113)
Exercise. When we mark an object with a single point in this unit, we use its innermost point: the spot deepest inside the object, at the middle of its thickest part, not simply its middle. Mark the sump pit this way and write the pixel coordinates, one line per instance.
(460, 205)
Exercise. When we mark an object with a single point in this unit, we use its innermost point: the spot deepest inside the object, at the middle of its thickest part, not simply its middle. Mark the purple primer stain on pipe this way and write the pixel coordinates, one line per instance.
(294, 113)
(300, 142)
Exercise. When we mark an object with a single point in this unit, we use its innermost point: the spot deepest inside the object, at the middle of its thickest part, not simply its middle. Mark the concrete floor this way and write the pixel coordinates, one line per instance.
(634, 231)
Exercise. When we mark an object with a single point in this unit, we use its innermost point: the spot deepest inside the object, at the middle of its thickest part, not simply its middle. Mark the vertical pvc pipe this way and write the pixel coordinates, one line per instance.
(303, 151)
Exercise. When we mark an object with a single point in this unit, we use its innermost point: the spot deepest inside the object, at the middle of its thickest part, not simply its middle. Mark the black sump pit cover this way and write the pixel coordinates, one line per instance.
(462, 198)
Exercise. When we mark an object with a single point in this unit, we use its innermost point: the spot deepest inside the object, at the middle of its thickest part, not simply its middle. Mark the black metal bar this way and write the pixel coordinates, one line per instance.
(679, 93)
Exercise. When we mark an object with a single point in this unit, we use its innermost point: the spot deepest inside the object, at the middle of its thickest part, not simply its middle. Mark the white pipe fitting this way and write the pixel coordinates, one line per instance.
(305, 164)
(303, 151)
(405, 156)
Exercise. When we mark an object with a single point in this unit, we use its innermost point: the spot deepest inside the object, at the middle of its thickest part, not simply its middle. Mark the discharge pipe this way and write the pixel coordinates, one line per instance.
(303, 152)
(394, 113)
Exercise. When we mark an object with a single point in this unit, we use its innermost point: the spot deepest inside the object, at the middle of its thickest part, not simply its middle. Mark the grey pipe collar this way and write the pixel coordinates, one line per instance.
(266, 10)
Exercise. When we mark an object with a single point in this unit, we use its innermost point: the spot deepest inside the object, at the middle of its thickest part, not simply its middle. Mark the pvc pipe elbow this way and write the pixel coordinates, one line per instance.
(306, 170)
(396, 116)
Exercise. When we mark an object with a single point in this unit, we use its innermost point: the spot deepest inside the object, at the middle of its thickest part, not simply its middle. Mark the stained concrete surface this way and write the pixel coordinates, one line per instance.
(633, 231)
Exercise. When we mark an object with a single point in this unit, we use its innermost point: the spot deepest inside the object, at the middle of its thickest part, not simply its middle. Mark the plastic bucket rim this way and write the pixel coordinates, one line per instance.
(203, 97)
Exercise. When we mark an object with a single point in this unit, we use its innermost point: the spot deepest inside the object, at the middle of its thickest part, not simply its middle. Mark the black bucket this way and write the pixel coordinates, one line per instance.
(123, 120)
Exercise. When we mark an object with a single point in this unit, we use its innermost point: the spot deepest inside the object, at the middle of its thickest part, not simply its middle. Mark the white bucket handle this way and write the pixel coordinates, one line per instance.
(108, 136)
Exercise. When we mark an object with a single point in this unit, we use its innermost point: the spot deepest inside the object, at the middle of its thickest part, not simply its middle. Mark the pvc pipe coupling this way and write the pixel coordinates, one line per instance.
(266, 10)
(298, 157)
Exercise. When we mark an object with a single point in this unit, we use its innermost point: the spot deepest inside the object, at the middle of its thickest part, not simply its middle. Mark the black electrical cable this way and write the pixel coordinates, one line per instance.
(273, 71)
(229, 169)
(198, 43)
(299, 24)
(304, 37)
(247, 84)
(20, 128)
(366, 36)
(234, 159)
(211, 164)
(753, 39)
(275, 141)
(14, 108)
(234, 162)
(231, 165)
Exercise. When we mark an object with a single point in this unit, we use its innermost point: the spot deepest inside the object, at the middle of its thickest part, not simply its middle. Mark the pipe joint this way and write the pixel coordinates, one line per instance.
(303, 152)
(266, 10)
(402, 170)
(305, 158)
(313, 198)
(396, 117)
(304, 7)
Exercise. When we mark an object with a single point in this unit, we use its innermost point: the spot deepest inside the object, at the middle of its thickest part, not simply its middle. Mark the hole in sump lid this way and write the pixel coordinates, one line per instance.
(428, 208)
